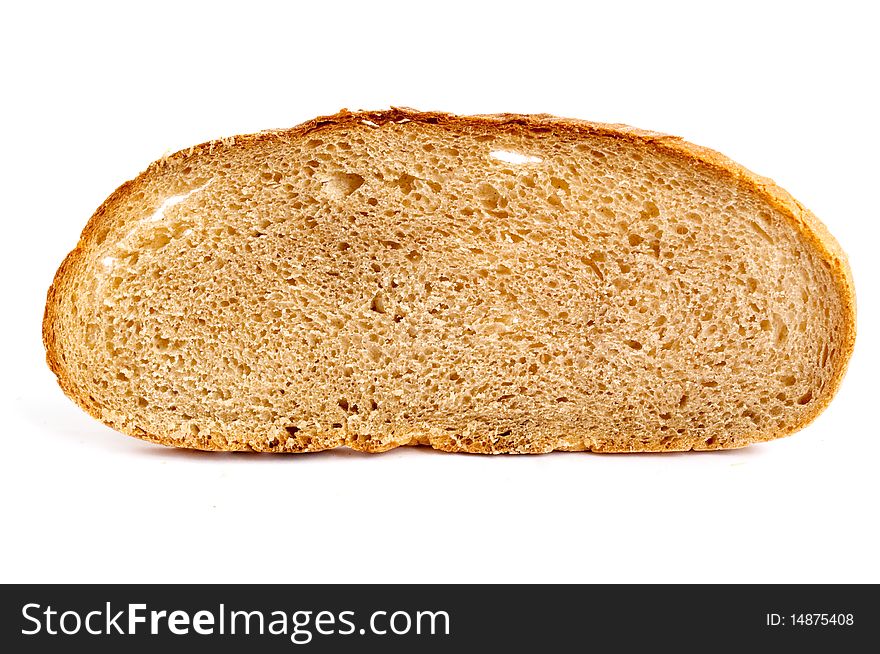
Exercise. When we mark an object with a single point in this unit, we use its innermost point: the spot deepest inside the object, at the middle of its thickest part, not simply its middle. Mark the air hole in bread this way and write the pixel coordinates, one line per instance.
(342, 185)
(635, 239)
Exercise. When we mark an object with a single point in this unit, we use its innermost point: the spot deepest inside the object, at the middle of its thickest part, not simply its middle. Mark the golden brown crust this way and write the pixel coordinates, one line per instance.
(809, 226)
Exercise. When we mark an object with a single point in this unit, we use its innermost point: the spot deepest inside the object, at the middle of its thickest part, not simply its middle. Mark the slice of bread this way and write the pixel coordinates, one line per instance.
(491, 284)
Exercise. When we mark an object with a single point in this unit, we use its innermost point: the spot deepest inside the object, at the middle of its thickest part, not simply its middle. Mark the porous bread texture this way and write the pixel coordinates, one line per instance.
(478, 284)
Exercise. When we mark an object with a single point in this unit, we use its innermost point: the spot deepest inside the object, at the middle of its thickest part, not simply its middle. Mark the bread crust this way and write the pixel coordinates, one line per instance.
(804, 221)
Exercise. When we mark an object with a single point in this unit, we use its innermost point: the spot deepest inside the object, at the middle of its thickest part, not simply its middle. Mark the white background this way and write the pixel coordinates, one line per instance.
(92, 94)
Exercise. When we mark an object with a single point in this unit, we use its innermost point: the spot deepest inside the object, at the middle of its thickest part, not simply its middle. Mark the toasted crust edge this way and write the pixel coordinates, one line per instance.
(809, 226)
